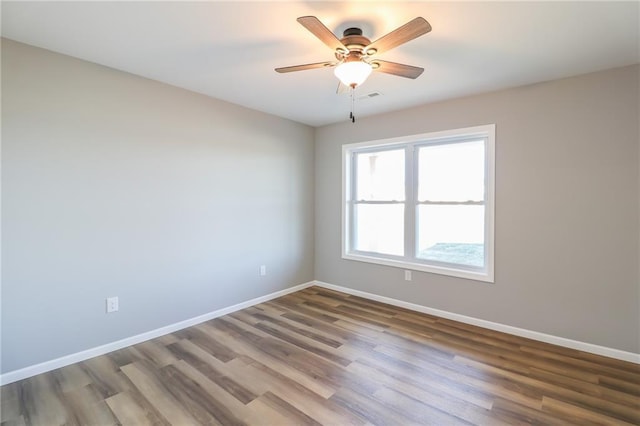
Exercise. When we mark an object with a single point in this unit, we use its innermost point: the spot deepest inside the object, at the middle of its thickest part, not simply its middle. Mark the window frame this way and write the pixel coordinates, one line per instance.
(411, 203)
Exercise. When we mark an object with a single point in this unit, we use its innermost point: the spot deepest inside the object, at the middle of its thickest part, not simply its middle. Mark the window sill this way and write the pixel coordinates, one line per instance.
(440, 270)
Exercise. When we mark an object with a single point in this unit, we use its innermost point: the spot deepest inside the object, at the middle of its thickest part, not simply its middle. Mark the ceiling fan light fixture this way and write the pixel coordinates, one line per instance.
(353, 73)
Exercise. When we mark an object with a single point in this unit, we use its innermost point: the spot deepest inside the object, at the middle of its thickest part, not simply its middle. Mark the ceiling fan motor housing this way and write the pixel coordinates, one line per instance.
(354, 41)
(351, 31)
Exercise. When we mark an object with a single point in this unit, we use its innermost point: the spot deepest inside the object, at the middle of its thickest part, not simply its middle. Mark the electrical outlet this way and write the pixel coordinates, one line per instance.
(407, 275)
(112, 304)
(263, 270)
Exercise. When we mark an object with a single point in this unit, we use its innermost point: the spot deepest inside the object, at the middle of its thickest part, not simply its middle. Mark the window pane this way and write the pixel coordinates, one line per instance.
(451, 172)
(380, 228)
(380, 175)
(451, 233)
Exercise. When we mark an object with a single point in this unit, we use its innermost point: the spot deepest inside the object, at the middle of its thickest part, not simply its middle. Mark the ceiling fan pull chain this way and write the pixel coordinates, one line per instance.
(353, 103)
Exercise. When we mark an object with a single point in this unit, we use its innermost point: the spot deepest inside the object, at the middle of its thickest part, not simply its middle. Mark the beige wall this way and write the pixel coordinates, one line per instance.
(567, 217)
(114, 185)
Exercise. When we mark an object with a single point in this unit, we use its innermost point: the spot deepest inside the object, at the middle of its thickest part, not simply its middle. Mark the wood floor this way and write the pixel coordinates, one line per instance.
(323, 357)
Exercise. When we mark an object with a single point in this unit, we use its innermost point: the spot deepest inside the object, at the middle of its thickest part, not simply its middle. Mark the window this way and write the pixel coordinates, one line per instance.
(422, 202)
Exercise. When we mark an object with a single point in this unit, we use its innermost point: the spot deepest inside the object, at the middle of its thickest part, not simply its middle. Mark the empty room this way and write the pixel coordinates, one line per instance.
(320, 213)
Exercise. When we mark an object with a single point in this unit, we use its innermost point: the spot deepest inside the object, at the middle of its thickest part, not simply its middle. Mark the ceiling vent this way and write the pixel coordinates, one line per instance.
(369, 95)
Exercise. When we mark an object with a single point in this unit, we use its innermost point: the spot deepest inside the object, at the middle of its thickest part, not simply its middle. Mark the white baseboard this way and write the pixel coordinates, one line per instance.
(534, 335)
(23, 373)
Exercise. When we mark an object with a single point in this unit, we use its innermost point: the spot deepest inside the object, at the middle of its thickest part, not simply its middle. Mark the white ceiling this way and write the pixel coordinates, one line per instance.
(228, 50)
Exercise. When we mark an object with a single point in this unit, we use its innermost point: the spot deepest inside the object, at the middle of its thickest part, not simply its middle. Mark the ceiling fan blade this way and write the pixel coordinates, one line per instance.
(412, 29)
(325, 35)
(342, 89)
(394, 68)
(306, 67)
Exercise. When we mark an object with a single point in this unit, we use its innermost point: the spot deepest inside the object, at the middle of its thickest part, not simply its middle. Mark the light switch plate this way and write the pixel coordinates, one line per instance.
(112, 304)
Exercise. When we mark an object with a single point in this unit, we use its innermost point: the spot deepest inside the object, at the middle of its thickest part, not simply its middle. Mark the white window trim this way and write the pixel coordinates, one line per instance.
(485, 131)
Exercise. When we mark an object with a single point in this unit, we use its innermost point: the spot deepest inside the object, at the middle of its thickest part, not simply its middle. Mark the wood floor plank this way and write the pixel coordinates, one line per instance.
(368, 408)
(357, 316)
(514, 413)
(106, 376)
(425, 413)
(125, 356)
(71, 377)
(409, 386)
(129, 411)
(361, 329)
(206, 409)
(338, 332)
(18, 421)
(270, 309)
(307, 363)
(10, 406)
(310, 403)
(292, 413)
(202, 339)
(301, 309)
(157, 353)
(302, 343)
(579, 414)
(220, 403)
(581, 358)
(257, 352)
(43, 404)
(373, 307)
(632, 388)
(226, 375)
(405, 347)
(586, 387)
(415, 317)
(466, 378)
(455, 398)
(321, 357)
(263, 413)
(89, 406)
(150, 384)
(555, 392)
(300, 329)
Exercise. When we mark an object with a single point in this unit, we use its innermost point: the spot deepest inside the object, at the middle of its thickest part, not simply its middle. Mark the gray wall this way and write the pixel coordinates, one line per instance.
(566, 208)
(114, 185)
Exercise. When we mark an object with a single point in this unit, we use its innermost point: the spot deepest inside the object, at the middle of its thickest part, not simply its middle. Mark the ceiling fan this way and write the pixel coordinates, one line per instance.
(354, 52)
